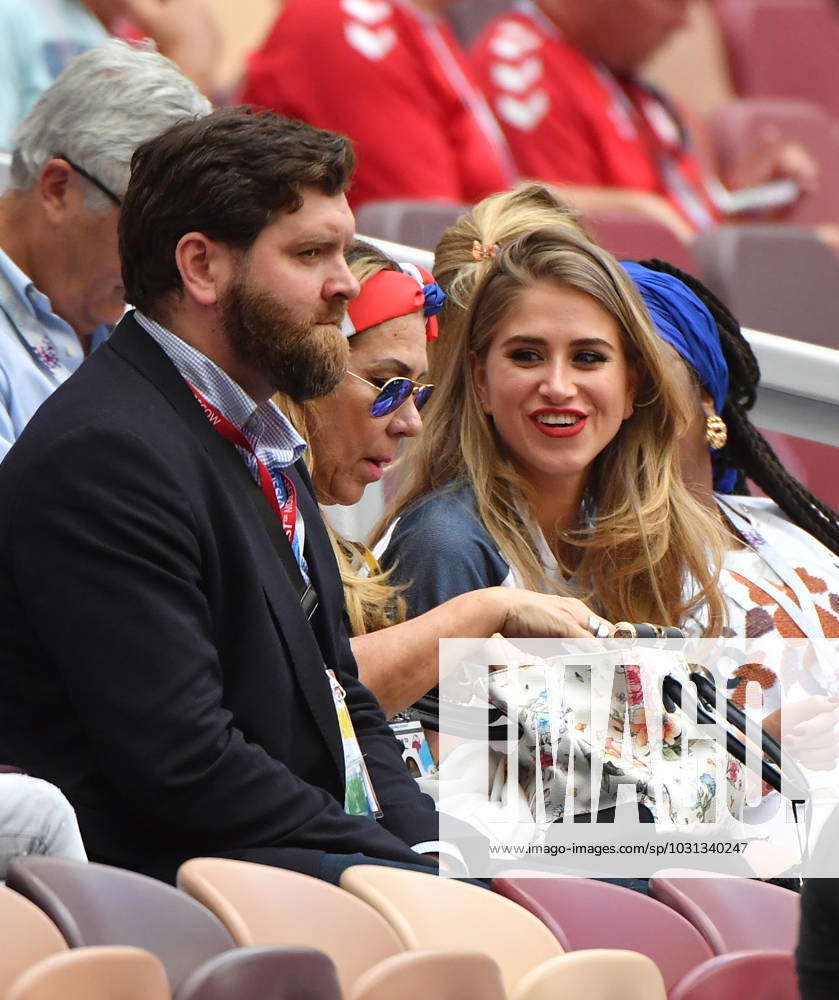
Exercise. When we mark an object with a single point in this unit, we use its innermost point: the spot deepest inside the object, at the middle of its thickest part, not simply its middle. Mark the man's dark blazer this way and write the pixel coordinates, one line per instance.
(155, 662)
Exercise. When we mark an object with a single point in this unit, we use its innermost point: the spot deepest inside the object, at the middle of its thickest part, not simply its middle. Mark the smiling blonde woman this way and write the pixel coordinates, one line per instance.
(549, 458)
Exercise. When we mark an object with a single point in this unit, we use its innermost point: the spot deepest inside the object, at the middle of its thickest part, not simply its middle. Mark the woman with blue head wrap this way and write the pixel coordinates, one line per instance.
(782, 545)
(709, 340)
(685, 323)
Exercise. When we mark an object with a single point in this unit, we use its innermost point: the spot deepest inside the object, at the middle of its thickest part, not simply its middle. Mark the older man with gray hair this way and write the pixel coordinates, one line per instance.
(60, 276)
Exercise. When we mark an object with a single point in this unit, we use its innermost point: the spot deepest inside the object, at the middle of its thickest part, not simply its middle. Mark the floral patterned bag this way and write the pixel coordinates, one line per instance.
(586, 730)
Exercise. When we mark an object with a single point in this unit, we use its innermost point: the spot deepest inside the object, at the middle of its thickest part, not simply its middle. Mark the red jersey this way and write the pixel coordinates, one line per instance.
(570, 121)
(396, 82)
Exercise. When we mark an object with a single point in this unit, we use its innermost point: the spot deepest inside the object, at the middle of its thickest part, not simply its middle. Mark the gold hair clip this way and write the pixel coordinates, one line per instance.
(484, 251)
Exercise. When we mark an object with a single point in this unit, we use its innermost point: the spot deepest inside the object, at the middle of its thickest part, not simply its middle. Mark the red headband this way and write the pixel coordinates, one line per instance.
(388, 295)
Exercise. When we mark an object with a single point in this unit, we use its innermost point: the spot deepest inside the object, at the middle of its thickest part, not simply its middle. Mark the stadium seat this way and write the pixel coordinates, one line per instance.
(470, 17)
(95, 904)
(769, 975)
(423, 975)
(594, 914)
(777, 278)
(108, 973)
(732, 914)
(417, 223)
(737, 127)
(636, 237)
(261, 905)
(593, 975)
(813, 464)
(441, 914)
(28, 935)
(782, 48)
(264, 974)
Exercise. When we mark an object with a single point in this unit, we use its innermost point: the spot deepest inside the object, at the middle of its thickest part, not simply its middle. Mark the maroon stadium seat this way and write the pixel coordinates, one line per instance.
(594, 914)
(814, 464)
(782, 48)
(415, 223)
(636, 237)
(94, 904)
(264, 973)
(732, 914)
(781, 279)
(769, 975)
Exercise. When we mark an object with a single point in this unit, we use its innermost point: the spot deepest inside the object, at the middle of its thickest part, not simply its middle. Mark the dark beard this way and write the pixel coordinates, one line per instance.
(304, 360)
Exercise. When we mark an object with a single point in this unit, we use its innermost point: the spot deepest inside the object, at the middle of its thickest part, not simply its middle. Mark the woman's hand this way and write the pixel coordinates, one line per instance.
(528, 615)
(807, 731)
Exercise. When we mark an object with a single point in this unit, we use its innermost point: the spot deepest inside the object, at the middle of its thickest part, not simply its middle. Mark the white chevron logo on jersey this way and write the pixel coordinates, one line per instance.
(517, 79)
(373, 43)
(524, 113)
(512, 41)
(368, 11)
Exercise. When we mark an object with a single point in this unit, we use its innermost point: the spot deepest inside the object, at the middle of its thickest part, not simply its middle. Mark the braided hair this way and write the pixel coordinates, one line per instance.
(747, 450)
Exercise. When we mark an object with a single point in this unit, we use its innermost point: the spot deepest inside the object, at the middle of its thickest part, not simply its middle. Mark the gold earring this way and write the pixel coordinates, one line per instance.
(716, 433)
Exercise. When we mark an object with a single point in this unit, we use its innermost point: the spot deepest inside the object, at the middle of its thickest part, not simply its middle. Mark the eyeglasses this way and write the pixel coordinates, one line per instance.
(394, 393)
(93, 180)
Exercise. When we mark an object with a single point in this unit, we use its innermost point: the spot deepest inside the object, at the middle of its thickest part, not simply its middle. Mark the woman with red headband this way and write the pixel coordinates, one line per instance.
(353, 435)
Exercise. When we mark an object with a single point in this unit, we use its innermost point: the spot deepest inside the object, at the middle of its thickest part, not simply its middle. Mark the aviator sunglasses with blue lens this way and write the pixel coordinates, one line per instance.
(394, 393)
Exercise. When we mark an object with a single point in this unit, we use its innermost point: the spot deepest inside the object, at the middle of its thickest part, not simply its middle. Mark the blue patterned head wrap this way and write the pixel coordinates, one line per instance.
(686, 324)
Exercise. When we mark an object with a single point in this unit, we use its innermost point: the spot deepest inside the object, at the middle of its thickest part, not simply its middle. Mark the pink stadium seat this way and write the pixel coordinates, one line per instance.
(415, 223)
(634, 237)
(781, 279)
(593, 914)
(782, 48)
(732, 914)
(470, 17)
(769, 975)
(737, 126)
(814, 464)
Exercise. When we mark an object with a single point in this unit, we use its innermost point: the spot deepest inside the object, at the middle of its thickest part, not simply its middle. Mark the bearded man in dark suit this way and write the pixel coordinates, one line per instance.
(172, 654)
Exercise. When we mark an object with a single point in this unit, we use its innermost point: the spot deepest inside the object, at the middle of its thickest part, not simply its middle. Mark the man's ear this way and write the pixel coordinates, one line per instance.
(206, 267)
(54, 188)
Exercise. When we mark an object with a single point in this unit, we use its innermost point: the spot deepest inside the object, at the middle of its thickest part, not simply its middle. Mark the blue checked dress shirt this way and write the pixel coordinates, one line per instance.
(275, 442)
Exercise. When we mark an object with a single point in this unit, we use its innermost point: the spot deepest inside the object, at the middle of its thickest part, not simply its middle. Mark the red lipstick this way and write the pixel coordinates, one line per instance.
(560, 429)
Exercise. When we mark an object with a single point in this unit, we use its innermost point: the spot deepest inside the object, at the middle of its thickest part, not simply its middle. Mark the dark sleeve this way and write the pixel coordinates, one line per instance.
(440, 549)
(815, 957)
(107, 560)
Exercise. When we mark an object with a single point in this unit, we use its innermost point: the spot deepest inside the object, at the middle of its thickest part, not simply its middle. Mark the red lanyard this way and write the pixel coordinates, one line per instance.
(287, 512)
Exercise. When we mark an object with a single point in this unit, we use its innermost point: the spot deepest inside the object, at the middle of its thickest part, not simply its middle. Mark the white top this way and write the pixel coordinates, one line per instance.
(750, 586)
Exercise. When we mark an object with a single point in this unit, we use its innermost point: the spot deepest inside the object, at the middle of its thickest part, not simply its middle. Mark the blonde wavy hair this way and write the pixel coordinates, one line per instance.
(370, 602)
(641, 538)
(466, 248)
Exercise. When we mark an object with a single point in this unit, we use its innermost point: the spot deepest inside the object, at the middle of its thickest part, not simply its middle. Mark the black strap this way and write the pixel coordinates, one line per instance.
(306, 593)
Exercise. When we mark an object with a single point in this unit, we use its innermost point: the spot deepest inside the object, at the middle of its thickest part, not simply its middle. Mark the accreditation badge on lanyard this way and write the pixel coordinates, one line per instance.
(359, 797)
